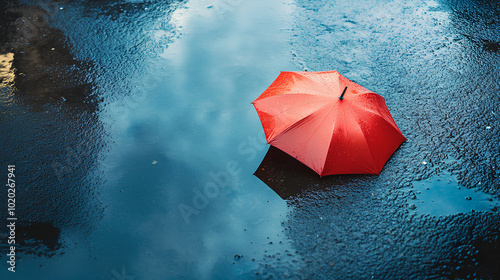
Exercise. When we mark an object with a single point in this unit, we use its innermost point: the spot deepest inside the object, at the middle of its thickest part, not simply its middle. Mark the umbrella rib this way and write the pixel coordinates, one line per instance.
(364, 137)
(287, 94)
(364, 93)
(333, 131)
(393, 124)
(329, 144)
(315, 82)
(294, 94)
(317, 127)
(292, 126)
(302, 104)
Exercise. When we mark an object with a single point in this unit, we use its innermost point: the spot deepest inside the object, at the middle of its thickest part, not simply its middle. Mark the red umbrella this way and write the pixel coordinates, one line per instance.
(328, 122)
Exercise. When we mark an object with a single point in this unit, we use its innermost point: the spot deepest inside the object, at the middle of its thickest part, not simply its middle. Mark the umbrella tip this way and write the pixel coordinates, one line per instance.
(341, 97)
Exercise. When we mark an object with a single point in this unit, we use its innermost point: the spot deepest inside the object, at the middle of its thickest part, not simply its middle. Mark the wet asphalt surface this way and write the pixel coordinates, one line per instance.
(135, 142)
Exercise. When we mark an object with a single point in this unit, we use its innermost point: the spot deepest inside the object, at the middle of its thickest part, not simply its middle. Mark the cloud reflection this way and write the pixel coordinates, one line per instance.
(192, 125)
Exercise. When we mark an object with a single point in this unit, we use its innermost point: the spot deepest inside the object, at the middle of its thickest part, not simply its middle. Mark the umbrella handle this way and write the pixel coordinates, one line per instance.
(341, 97)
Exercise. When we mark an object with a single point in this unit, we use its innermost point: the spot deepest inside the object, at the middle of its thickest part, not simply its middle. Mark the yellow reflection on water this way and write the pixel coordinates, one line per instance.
(6, 77)
(6, 69)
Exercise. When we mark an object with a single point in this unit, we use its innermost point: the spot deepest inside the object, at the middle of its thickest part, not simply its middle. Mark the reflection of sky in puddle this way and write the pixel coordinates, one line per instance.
(442, 195)
(194, 130)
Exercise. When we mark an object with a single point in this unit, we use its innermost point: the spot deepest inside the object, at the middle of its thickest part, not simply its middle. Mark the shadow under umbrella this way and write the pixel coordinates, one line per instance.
(288, 177)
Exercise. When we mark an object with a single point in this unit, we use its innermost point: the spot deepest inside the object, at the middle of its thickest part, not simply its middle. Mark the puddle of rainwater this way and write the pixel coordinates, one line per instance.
(442, 195)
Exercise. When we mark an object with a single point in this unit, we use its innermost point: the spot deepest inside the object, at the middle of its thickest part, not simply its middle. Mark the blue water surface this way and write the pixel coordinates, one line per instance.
(131, 126)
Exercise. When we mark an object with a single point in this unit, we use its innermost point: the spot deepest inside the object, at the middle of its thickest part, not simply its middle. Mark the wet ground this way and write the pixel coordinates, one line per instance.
(135, 143)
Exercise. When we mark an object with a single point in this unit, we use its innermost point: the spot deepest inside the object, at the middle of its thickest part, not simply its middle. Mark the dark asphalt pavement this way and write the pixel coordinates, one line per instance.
(135, 143)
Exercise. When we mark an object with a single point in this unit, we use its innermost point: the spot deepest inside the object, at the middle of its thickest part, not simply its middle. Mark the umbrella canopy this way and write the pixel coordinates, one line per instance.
(328, 122)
